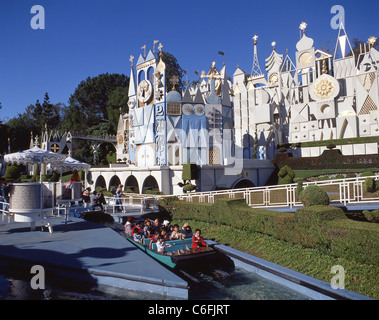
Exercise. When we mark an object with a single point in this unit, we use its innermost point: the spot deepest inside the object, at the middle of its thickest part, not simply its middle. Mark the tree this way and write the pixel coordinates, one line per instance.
(118, 99)
(89, 102)
(44, 114)
(1, 107)
(173, 69)
(357, 47)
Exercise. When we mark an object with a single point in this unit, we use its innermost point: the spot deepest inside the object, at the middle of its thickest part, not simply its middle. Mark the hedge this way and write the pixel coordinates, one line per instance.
(320, 227)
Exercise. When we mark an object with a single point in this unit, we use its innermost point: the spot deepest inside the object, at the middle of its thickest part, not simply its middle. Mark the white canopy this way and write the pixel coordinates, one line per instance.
(70, 164)
(35, 155)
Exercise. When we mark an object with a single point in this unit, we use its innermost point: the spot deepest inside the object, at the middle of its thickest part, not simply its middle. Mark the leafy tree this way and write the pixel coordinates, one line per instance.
(20, 128)
(118, 99)
(357, 47)
(173, 69)
(44, 114)
(89, 102)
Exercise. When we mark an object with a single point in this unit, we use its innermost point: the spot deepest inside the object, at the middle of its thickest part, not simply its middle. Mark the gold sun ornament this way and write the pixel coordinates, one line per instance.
(324, 89)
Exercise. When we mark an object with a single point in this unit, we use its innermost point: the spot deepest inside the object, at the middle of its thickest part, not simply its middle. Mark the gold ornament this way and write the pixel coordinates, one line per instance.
(324, 89)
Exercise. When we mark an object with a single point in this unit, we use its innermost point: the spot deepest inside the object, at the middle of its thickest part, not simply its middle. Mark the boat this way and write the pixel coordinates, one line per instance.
(180, 255)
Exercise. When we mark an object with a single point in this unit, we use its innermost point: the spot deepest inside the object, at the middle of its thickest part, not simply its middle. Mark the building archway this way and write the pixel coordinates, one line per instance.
(243, 183)
(132, 184)
(100, 182)
(114, 182)
(150, 184)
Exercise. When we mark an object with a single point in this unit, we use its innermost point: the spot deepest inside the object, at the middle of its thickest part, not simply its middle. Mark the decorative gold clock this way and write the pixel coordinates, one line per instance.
(274, 79)
(305, 59)
(145, 90)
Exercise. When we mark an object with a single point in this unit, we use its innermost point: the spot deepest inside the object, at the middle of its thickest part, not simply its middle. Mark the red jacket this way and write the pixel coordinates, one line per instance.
(198, 242)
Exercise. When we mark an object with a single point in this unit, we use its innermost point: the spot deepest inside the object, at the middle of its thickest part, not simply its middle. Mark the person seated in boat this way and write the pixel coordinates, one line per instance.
(161, 245)
(176, 234)
(188, 232)
(185, 225)
(170, 230)
(137, 237)
(146, 225)
(137, 227)
(164, 234)
(129, 226)
(156, 225)
(148, 233)
(154, 237)
(198, 242)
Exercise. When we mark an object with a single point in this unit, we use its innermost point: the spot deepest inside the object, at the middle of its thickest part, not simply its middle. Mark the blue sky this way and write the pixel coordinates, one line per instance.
(88, 37)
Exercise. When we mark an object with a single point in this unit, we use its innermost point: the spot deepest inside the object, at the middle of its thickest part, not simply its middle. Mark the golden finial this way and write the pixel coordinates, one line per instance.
(371, 41)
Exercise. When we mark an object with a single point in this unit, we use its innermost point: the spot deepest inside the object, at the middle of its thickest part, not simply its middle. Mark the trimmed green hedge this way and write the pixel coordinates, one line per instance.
(314, 195)
(320, 227)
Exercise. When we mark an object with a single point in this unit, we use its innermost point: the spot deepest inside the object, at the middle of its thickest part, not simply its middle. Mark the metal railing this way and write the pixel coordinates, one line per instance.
(131, 203)
(344, 191)
(6, 216)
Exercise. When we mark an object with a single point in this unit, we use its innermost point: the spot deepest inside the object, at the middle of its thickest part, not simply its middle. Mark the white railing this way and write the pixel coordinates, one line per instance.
(6, 216)
(132, 202)
(344, 191)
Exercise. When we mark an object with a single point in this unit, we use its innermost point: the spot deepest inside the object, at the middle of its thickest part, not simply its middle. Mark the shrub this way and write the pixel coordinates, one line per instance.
(351, 175)
(36, 174)
(55, 177)
(286, 175)
(372, 216)
(367, 174)
(12, 172)
(190, 172)
(318, 213)
(189, 187)
(370, 185)
(314, 195)
(299, 188)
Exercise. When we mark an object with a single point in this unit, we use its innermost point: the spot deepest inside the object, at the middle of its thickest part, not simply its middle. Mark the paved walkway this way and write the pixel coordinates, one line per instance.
(89, 252)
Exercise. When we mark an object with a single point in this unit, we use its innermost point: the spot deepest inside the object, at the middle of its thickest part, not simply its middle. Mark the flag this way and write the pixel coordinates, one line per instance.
(221, 53)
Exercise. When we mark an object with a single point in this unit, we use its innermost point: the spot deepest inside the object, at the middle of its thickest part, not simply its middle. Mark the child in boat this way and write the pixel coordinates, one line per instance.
(137, 236)
(146, 226)
(129, 226)
(198, 240)
(161, 245)
(137, 227)
(164, 234)
(176, 234)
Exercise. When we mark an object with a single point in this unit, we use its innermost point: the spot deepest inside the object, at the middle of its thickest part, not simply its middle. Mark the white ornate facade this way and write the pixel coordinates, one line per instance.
(222, 124)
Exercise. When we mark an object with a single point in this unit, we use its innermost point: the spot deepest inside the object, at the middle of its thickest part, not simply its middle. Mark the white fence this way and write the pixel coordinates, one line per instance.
(344, 191)
(6, 217)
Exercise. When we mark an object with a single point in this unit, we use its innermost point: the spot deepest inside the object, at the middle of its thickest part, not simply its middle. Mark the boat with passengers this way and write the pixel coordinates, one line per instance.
(177, 253)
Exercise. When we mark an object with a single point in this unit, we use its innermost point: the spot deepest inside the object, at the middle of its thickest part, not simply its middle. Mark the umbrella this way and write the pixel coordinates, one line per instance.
(34, 155)
(70, 164)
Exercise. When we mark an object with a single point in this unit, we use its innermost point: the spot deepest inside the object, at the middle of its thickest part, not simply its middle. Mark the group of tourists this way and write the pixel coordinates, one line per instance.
(160, 233)
(93, 200)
